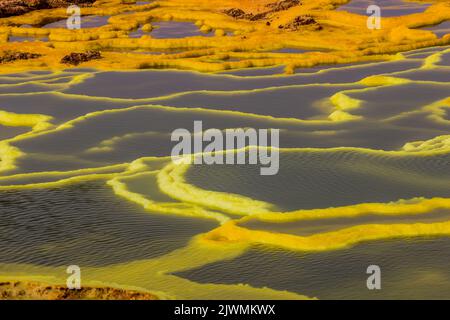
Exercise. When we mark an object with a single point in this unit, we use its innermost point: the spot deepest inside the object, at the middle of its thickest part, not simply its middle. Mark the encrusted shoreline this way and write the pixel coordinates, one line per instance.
(24, 290)
(242, 34)
(10, 8)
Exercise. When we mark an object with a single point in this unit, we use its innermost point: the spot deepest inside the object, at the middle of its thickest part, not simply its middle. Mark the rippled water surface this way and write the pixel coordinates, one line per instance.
(411, 269)
(364, 148)
(85, 224)
(389, 8)
(86, 22)
(171, 29)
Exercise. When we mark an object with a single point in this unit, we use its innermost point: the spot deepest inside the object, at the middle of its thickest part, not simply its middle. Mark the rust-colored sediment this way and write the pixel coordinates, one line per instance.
(17, 290)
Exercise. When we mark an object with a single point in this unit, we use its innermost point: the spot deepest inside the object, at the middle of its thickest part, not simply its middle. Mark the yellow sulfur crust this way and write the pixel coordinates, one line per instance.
(343, 39)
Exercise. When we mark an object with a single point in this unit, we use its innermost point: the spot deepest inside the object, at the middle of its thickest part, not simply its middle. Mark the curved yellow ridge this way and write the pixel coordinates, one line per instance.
(344, 34)
(185, 209)
(343, 238)
(172, 182)
(9, 154)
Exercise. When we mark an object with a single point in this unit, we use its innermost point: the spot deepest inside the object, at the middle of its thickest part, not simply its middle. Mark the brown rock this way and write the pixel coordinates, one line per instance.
(240, 14)
(10, 56)
(274, 7)
(75, 58)
(301, 21)
(235, 13)
(283, 5)
(258, 16)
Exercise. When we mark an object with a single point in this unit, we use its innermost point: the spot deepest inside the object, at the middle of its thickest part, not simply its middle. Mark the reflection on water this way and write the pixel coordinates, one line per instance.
(86, 22)
(23, 39)
(10, 132)
(256, 72)
(441, 29)
(298, 102)
(331, 179)
(87, 225)
(389, 8)
(154, 83)
(171, 29)
(124, 116)
(310, 227)
(410, 269)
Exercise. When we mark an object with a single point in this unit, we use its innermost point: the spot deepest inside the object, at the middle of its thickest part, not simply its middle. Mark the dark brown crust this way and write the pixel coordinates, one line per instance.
(75, 58)
(280, 5)
(10, 8)
(301, 21)
(17, 290)
(10, 56)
